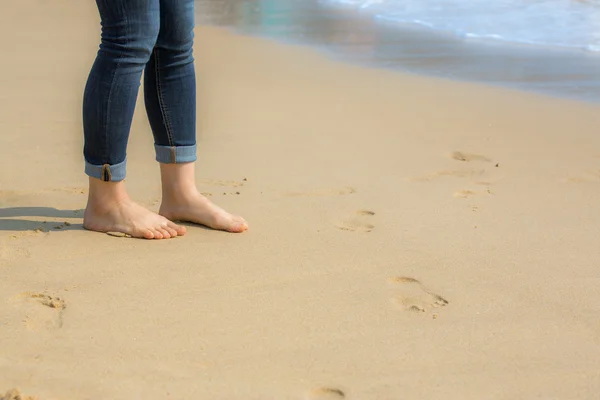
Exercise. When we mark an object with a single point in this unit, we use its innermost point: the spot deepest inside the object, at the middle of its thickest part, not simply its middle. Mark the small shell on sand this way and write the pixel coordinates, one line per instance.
(118, 234)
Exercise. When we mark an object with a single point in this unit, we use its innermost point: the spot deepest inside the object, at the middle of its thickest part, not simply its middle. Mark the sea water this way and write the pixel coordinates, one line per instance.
(553, 23)
(547, 46)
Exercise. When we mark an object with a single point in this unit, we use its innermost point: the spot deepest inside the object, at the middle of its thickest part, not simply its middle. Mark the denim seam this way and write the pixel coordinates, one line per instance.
(161, 100)
(109, 100)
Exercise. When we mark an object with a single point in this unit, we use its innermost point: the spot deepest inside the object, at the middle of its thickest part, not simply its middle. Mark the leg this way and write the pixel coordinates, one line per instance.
(129, 32)
(170, 96)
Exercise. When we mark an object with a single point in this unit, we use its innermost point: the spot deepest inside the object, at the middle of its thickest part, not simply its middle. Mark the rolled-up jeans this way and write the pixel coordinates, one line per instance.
(154, 37)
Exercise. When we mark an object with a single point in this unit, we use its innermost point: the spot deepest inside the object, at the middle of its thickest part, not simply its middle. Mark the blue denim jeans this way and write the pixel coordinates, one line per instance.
(154, 37)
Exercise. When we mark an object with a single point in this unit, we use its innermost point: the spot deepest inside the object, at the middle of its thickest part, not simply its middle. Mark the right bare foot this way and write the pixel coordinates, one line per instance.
(110, 209)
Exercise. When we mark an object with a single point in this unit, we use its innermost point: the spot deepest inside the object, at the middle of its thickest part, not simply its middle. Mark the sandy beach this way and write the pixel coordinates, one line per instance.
(410, 237)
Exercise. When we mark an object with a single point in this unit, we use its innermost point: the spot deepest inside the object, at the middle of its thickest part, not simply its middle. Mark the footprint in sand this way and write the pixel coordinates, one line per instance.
(465, 194)
(325, 393)
(359, 222)
(413, 296)
(480, 177)
(324, 193)
(466, 157)
(42, 311)
(15, 394)
(461, 173)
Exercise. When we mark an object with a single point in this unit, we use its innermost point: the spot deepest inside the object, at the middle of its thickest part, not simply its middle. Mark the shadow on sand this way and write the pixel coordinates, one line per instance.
(10, 221)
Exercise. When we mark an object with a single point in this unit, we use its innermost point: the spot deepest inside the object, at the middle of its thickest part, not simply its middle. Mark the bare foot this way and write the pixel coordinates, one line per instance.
(110, 209)
(194, 207)
(183, 202)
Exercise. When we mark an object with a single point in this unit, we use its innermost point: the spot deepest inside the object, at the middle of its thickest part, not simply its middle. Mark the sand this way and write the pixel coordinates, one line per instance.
(410, 238)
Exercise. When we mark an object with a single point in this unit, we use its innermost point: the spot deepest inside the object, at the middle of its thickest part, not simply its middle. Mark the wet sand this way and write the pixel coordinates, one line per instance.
(410, 237)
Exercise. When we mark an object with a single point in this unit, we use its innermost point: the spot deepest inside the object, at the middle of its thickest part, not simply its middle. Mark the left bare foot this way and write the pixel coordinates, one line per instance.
(194, 207)
(181, 201)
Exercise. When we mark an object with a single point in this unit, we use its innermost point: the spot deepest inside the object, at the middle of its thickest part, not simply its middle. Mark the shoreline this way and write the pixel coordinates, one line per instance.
(356, 38)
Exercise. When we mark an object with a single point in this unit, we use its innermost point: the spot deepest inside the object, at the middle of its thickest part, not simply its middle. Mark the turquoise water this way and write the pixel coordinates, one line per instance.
(555, 23)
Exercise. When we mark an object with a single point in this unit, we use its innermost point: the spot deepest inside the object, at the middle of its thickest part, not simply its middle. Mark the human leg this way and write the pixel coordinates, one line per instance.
(170, 97)
(129, 31)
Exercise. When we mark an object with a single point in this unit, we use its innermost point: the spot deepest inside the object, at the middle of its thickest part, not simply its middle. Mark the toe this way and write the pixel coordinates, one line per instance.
(148, 234)
(165, 234)
(242, 226)
(238, 228)
(172, 232)
(181, 230)
(238, 224)
(157, 234)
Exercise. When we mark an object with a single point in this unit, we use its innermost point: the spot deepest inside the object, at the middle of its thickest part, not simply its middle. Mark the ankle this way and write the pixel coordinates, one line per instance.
(178, 181)
(104, 194)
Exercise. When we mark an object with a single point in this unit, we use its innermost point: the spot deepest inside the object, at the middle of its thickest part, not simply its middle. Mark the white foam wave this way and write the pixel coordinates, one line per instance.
(560, 23)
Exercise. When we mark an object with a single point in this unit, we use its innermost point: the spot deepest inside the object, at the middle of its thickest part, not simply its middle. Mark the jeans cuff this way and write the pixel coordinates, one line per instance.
(107, 172)
(175, 154)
